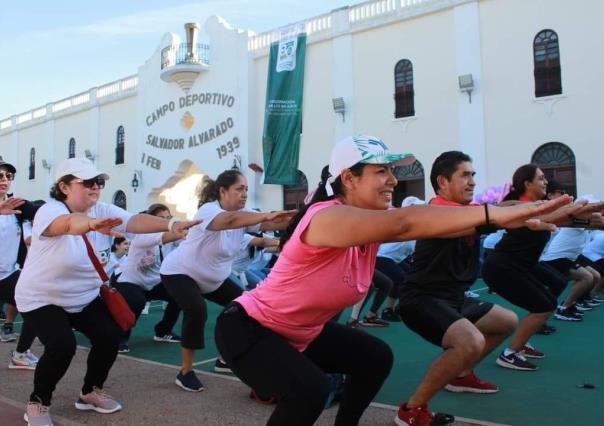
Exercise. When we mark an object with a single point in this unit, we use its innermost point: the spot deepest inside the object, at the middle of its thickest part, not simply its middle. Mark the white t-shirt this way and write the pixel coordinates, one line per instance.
(57, 270)
(491, 240)
(144, 261)
(594, 250)
(566, 243)
(243, 259)
(206, 256)
(397, 251)
(10, 239)
(114, 265)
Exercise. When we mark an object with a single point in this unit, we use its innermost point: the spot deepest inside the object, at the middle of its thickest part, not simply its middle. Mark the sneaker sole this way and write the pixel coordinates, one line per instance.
(569, 319)
(533, 356)
(460, 389)
(180, 385)
(12, 366)
(223, 370)
(161, 340)
(400, 422)
(514, 367)
(85, 407)
(372, 325)
(27, 420)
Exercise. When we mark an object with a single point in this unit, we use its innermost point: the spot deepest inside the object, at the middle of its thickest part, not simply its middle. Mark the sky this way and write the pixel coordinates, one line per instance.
(51, 50)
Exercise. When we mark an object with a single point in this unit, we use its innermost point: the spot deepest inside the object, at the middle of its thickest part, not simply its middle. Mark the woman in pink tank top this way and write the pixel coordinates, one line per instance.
(278, 338)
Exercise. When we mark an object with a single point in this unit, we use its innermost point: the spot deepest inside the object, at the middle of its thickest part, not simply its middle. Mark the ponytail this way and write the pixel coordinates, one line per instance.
(211, 191)
(319, 195)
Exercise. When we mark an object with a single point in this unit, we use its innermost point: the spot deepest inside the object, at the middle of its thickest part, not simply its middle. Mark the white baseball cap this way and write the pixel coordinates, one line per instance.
(412, 201)
(362, 149)
(79, 167)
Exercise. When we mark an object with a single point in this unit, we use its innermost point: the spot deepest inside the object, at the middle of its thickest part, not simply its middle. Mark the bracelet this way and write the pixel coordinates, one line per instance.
(171, 223)
(486, 214)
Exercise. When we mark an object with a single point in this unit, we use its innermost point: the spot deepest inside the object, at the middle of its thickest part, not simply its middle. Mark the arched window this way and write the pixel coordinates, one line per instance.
(293, 195)
(119, 146)
(557, 162)
(410, 182)
(71, 149)
(32, 164)
(546, 53)
(119, 199)
(404, 104)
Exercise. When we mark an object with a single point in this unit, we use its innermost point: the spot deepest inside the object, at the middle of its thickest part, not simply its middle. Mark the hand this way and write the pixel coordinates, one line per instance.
(539, 215)
(9, 205)
(116, 234)
(104, 225)
(280, 216)
(180, 228)
(588, 210)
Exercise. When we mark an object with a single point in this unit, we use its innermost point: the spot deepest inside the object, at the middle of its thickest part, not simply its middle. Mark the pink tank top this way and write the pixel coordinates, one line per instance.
(309, 285)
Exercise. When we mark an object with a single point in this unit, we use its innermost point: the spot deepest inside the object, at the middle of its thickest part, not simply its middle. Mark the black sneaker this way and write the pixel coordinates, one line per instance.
(515, 361)
(590, 302)
(388, 314)
(353, 323)
(374, 322)
(221, 367)
(546, 330)
(582, 307)
(123, 348)
(567, 314)
(189, 382)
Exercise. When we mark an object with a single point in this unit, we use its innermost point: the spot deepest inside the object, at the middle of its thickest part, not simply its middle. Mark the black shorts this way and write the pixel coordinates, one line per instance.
(585, 261)
(563, 265)
(431, 317)
(524, 289)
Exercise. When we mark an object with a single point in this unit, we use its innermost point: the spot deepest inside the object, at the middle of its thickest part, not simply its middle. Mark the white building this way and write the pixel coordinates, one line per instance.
(507, 81)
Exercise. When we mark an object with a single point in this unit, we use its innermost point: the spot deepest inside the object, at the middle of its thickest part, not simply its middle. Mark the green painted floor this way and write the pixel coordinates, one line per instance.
(549, 396)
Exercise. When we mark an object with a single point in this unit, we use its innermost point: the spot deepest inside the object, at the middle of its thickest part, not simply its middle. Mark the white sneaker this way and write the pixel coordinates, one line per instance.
(37, 415)
(471, 294)
(22, 361)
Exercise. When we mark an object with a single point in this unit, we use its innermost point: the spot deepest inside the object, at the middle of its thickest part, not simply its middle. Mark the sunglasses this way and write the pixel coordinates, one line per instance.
(7, 175)
(89, 183)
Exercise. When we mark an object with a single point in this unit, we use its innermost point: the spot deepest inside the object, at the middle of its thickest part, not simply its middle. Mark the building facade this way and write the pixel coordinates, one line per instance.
(507, 81)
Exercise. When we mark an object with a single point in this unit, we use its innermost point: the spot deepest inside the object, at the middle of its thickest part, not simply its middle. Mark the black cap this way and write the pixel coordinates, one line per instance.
(554, 186)
(8, 166)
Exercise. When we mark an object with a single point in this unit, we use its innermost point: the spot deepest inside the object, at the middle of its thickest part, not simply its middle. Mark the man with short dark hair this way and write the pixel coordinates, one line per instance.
(432, 302)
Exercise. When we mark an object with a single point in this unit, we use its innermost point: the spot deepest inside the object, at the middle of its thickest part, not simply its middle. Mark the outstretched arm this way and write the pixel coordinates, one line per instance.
(345, 226)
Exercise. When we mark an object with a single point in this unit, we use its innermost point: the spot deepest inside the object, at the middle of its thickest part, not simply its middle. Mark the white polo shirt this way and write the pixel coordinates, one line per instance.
(57, 270)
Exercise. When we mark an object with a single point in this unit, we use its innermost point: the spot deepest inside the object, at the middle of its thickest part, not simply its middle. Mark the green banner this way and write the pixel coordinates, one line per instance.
(283, 111)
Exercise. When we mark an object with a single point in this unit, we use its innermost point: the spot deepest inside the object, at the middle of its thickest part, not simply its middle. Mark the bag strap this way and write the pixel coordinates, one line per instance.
(91, 254)
(95, 260)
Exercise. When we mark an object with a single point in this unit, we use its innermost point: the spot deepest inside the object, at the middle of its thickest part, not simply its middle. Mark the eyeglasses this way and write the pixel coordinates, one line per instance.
(7, 175)
(89, 183)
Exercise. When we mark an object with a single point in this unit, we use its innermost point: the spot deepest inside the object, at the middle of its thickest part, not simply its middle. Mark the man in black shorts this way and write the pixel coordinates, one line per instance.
(432, 302)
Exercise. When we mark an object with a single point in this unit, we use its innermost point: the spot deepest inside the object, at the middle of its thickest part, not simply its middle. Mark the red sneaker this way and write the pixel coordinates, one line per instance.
(471, 383)
(416, 416)
(530, 352)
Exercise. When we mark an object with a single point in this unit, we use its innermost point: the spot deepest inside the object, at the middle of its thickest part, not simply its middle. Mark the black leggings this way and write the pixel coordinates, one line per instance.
(7, 294)
(187, 294)
(53, 326)
(270, 365)
(137, 296)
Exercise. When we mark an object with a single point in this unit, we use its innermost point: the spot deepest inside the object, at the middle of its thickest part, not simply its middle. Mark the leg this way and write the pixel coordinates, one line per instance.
(365, 359)
(270, 365)
(464, 345)
(95, 322)
(383, 285)
(135, 296)
(583, 285)
(165, 326)
(187, 295)
(51, 325)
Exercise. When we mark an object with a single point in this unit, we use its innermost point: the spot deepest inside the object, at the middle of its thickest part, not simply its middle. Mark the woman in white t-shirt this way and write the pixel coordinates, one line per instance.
(140, 281)
(117, 257)
(58, 289)
(199, 267)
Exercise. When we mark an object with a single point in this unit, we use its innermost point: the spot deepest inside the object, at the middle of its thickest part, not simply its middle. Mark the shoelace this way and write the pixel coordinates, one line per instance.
(104, 396)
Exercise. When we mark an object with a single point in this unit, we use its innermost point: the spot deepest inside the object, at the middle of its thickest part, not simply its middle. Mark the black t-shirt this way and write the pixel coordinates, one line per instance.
(445, 267)
(520, 248)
